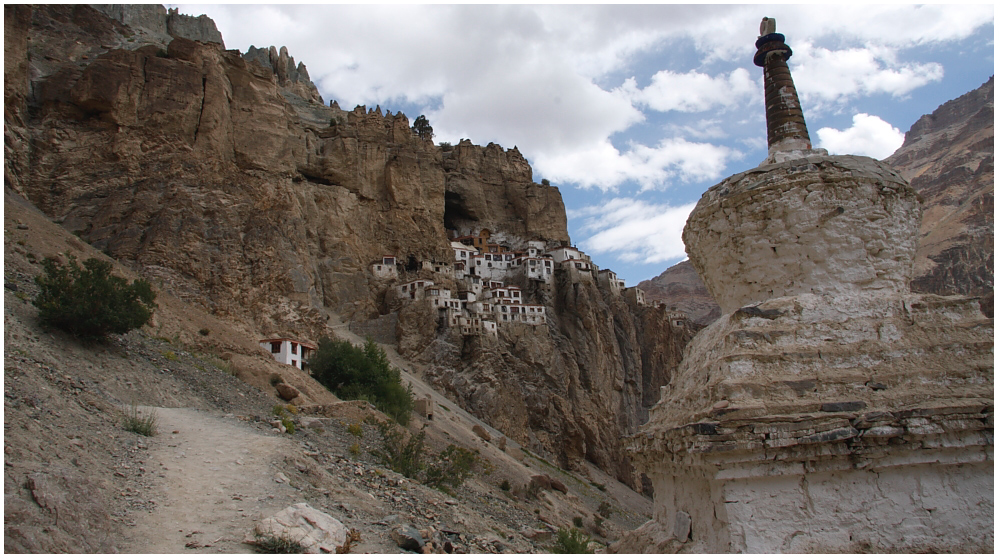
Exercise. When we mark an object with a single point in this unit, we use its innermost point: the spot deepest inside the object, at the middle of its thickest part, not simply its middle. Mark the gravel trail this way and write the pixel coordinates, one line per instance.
(217, 478)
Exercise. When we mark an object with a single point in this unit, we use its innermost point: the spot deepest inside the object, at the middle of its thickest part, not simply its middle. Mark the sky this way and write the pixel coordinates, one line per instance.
(632, 111)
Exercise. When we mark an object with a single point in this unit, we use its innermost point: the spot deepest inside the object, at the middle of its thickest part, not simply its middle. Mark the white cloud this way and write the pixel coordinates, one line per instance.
(601, 165)
(835, 76)
(528, 75)
(634, 231)
(868, 136)
(693, 91)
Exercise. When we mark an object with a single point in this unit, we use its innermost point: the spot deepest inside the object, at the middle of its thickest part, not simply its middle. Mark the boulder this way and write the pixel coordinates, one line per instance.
(313, 529)
(541, 481)
(481, 432)
(558, 485)
(286, 391)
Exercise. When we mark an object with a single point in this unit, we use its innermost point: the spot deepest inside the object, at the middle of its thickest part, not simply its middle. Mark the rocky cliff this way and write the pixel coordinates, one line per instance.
(221, 176)
(948, 158)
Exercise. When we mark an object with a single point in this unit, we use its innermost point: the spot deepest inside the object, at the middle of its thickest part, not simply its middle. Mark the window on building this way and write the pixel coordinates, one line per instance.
(295, 348)
(295, 364)
(276, 347)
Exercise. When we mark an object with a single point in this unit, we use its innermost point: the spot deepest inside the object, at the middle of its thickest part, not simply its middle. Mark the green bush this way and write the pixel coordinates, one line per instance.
(404, 453)
(571, 541)
(578, 521)
(451, 468)
(352, 373)
(505, 485)
(400, 451)
(90, 302)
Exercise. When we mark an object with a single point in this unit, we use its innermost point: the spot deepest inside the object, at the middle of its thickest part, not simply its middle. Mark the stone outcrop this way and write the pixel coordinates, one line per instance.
(161, 24)
(291, 77)
(947, 157)
(829, 409)
(481, 182)
(570, 389)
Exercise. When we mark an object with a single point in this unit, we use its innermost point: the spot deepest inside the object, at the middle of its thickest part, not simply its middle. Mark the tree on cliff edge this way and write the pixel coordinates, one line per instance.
(423, 128)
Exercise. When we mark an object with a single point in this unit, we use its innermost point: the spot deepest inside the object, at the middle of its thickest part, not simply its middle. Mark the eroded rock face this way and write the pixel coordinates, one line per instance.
(827, 394)
(948, 158)
(569, 389)
(231, 190)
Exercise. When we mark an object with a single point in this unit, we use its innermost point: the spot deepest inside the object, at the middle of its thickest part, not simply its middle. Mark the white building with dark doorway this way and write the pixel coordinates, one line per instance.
(289, 351)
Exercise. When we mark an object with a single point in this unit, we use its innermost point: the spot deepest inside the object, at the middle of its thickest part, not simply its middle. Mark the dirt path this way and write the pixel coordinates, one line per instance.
(217, 478)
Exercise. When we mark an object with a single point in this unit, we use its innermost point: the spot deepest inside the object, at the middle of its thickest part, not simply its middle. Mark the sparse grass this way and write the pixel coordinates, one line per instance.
(138, 422)
(169, 355)
(21, 296)
(289, 425)
(223, 365)
(570, 541)
(355, 430)
(278, 410)
(354, 449)
(600, 487)
(269, 543)
(275, 379)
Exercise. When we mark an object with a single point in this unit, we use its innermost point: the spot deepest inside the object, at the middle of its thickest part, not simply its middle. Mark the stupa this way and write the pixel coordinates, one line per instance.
(829, 409)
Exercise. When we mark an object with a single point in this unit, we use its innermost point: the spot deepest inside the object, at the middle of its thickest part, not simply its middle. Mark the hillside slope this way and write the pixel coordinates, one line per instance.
(76, 482)
(948, 158)
(221, 176)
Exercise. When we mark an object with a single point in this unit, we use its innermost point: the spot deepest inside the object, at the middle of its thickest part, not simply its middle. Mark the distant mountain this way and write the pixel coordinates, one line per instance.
(948, 158)
(680, 287)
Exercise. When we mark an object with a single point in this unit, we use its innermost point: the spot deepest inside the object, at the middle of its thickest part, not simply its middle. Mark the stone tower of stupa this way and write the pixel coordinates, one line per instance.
(829, 409)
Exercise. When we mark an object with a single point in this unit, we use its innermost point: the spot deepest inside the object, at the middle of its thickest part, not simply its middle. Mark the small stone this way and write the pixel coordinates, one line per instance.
(720, 405)
(682, 526)
(407, 538)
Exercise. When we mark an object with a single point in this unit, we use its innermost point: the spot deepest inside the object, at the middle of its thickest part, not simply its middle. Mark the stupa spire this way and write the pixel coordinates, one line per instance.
(786, 125)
